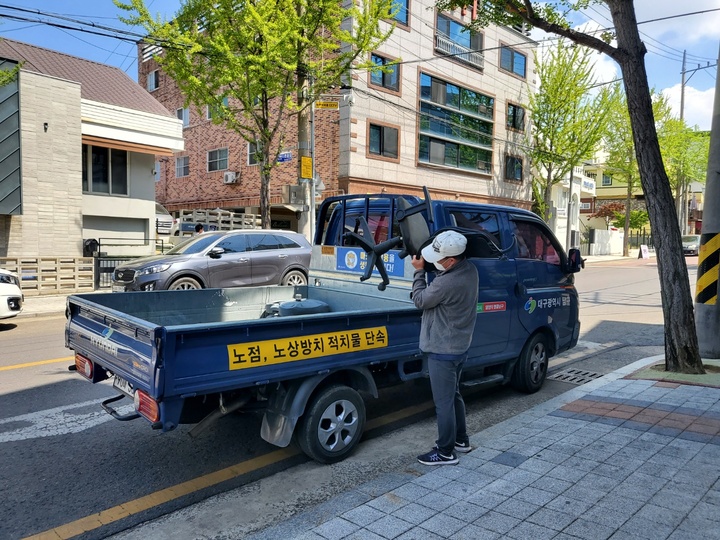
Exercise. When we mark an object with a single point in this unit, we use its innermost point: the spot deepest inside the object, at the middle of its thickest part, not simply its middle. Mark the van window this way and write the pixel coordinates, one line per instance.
(478, 221)
(534, 243)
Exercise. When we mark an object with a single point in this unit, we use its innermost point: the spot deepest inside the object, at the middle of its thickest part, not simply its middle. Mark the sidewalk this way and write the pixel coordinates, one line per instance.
(618, 458)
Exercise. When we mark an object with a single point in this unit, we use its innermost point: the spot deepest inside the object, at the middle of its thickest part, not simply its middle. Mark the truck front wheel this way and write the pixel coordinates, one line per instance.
(332, 424)
(532, 365)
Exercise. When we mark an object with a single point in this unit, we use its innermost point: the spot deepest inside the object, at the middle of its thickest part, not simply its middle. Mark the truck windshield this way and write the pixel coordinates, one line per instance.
(196, 244)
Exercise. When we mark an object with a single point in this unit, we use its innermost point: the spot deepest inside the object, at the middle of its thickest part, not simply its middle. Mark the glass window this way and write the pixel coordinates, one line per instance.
(286, 243)
(513, 61)
(217, 110)
(153, 80)
(383, 141)
(104, 170)
(182, 166)
(184, 115)
(534, 243)
(217, 159)
(262, 242)
(401, 7)
(515, 117)
(253, 158)
(513, 168)
(233, 243)
(480, 221)
(459, 33)
(454, 155)
(606, 180)
(389, 77)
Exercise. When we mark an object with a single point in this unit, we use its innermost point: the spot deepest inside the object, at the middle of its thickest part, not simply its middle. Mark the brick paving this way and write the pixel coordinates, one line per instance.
(616, 459)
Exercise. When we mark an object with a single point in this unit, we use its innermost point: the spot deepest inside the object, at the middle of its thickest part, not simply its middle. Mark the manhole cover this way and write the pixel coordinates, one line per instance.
(575, 376)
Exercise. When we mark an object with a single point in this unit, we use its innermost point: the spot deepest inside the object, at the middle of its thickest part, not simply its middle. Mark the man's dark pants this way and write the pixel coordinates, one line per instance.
(449, 404)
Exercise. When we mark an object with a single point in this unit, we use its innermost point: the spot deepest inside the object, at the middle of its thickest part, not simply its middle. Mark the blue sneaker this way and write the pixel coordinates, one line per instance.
(463, 447)
(435, 457)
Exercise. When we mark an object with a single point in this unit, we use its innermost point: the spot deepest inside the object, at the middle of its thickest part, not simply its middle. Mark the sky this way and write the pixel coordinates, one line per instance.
(682, 29)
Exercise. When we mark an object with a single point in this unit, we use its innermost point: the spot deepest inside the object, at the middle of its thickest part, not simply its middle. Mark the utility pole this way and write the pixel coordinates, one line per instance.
(568, 235)
(681, 205)
(707, 308)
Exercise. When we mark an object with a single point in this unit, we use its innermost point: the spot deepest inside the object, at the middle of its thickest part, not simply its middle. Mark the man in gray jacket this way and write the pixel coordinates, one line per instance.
(449, 305)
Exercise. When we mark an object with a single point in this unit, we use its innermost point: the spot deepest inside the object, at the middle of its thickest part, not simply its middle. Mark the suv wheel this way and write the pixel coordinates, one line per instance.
(184, 283)
(294, 278)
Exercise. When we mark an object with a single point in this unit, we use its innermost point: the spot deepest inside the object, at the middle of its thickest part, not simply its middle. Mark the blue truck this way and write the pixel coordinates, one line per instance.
(309, 356)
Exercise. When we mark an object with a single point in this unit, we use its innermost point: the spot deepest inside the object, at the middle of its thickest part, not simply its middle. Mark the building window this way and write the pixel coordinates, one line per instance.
(184, 115)
(606, 180)
(217, 159)
(156, 171)
(402, 11)
(253, 158)
(454, 128)
(182, 166)
(389, 77)
(512, 61)
(217, 110)
(104, 170)
(453, 38)
(513, 168)
(153, 80)
(515, 117)
(383, 141)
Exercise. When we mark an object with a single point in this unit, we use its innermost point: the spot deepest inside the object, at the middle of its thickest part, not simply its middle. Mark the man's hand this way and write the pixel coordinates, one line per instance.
(418, 262)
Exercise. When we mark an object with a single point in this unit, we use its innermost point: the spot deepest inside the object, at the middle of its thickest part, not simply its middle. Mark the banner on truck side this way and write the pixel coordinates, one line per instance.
(279, 351)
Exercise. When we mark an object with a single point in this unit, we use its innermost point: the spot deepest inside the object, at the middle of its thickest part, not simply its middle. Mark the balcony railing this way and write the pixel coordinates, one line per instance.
(447, 46)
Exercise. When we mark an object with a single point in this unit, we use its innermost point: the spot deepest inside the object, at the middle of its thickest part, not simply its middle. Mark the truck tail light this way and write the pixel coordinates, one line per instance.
(84, 366)
(146, 406)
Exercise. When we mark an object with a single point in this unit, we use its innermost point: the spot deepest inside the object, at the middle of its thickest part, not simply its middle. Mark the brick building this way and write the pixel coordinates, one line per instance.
(450, 116)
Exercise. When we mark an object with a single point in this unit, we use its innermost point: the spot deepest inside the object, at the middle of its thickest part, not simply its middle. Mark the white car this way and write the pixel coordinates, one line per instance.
(11, 297)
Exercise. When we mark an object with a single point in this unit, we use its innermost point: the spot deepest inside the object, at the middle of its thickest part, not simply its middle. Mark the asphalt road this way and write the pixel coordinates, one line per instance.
(63, 459)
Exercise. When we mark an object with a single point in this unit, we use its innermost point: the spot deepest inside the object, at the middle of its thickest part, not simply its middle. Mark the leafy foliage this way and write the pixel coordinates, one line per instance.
(258, 54)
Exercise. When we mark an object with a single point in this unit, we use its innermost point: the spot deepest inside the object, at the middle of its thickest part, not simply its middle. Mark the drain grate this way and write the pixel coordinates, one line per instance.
(575, 376)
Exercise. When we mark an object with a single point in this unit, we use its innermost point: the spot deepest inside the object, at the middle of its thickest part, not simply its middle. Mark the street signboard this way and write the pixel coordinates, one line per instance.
(284, 156)
(330, 105)
(306, 167)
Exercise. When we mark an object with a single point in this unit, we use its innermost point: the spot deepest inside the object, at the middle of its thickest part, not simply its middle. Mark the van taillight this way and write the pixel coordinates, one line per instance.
(146, 406)
(84, 366)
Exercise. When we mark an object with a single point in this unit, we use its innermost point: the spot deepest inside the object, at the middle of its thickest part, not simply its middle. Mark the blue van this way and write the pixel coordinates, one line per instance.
(527, 302)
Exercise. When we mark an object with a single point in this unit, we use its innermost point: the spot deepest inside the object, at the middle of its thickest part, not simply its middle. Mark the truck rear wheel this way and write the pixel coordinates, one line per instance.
(332, 424)
(532, 365)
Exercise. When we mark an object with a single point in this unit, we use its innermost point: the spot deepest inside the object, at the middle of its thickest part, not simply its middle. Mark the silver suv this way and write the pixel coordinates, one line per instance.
(221, 259)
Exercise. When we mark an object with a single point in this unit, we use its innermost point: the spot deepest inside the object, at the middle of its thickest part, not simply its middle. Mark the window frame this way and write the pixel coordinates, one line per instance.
(512, 69)
(512, 117)
(517, 159)
(183, 113)
(111, 169)
(383, 127)
(185, 166)
(606, 181)
(383, 84)
(252, 154)
(218, 159)
(152, 82)
(404, 9)
(209, 108)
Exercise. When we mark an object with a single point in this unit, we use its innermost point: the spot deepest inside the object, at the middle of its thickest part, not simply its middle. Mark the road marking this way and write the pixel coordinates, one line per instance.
(57, 421)
(116, 513)
(38, 363)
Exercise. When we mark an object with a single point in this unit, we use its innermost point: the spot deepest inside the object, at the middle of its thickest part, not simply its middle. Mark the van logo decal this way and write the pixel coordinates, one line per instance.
(530, 305)
(488, 307)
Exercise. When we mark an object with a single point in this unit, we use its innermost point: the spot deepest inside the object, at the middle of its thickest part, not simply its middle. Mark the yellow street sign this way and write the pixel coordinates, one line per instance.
(327, 105)
(306, 167)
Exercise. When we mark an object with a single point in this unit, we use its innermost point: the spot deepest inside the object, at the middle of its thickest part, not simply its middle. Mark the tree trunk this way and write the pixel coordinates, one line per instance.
(626, 225)
(681, 344)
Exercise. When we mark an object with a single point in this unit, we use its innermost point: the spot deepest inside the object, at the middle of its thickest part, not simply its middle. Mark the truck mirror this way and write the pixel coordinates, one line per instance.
(575, 261)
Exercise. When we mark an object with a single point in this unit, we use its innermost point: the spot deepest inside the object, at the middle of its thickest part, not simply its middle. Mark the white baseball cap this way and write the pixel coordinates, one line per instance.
(445, 244)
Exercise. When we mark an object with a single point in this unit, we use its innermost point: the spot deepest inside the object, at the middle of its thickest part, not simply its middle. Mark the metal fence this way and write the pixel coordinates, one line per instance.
(638, 238)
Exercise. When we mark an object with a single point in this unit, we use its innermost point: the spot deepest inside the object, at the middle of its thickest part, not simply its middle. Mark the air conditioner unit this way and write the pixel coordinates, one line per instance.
(229, 177)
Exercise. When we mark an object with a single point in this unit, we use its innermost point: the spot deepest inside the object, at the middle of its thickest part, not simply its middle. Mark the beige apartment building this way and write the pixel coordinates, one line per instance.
(449, 114)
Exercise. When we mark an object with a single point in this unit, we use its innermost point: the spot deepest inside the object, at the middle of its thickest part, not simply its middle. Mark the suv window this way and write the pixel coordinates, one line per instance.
(234, 243)
(262, 242)
(286, 243)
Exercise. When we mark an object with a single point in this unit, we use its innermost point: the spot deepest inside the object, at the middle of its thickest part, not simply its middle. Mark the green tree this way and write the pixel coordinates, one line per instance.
(608, 211)
(260, 55)
(637, 219)
(568, 120)
(681, 344)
